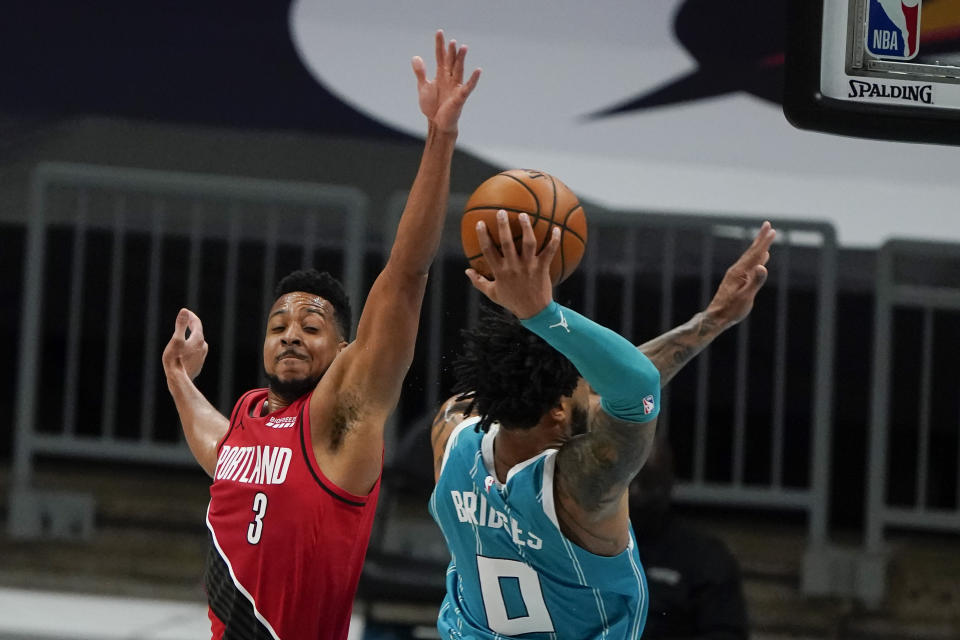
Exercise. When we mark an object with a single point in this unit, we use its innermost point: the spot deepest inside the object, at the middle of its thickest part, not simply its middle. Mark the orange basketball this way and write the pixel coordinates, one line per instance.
(547, 201)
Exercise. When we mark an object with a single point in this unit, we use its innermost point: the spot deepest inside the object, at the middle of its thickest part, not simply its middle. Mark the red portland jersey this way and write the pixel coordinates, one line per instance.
(288, 544)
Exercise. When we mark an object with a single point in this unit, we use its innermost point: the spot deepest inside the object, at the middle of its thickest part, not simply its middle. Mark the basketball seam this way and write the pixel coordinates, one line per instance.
(553, 211)
(567, 229)
(537, 216)
(563, 228)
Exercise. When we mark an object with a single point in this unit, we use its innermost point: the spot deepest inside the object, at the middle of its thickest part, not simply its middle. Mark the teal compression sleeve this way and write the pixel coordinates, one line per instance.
(627, 382)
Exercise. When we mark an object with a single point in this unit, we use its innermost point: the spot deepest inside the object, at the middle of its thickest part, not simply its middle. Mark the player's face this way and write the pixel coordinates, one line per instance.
(302, 340)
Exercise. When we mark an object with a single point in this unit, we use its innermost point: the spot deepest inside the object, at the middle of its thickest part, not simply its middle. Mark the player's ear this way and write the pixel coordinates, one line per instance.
(559, 413)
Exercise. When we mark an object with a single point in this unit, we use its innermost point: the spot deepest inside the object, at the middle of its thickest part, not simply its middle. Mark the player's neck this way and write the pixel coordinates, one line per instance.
(513, 446)
(275, 402)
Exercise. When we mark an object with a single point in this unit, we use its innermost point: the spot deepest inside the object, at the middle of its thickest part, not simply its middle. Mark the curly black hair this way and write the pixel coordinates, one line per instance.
(320, 283)
(510, 374)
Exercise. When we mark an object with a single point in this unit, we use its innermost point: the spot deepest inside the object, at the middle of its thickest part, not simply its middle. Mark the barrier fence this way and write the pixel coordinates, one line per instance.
(112, 254)
(913, 471)
(738, 409)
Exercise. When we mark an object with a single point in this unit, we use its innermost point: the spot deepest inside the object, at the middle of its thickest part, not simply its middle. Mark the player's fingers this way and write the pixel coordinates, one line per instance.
(451, 58)
(487, 248)
(419, 70)
(761, 243)
(764, 237)
(438, 45)
(196, 328)
(756, 246)
(551, 249)
(479, 282)
(181, 324)
(759, 277)
(458, 64)
(507, 248)
(471, 84)
(528, 241)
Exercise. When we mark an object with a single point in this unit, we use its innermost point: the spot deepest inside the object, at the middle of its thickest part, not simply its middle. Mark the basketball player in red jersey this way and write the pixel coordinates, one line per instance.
(296, 467)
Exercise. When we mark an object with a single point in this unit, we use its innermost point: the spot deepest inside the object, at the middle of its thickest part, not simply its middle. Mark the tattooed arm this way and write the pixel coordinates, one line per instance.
(731, 303)
(594, 470)
(593, 473)
(672, 350)
(452, 413)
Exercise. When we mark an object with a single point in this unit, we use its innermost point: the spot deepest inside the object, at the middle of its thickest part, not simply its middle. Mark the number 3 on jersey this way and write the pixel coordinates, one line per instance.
(512, 597)
(255, 528)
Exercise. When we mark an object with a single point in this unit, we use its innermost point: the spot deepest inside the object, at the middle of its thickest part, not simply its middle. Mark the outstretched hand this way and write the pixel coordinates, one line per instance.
(442, 99)
(185, 353)
(734, 297)
(521, 281)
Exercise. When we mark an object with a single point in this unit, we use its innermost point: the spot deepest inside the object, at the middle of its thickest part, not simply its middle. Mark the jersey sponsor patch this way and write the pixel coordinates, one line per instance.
(283, 422)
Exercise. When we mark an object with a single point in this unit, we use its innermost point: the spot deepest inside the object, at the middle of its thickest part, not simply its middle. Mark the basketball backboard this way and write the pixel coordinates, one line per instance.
(887, 69)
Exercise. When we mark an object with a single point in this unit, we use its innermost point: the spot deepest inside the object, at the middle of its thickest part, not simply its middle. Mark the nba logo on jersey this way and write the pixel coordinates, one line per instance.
(648, 405)
(893, 28)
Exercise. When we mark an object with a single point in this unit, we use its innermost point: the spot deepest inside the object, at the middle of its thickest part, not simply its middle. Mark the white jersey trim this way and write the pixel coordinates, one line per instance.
(549, 506)
(520, 466)
(236, 582)
(469, 422)
(486, 449)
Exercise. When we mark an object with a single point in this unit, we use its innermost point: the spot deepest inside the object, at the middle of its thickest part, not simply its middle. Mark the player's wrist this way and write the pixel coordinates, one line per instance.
(440, 134)
(712, 321)
(177, 377)
(529, 310)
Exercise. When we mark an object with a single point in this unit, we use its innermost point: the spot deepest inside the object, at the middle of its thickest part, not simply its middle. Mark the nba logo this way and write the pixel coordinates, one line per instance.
(648, 405)
(893, 28)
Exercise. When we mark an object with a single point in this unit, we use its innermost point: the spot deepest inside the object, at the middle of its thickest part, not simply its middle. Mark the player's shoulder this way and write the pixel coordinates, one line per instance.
(463, 436)
(450, 418)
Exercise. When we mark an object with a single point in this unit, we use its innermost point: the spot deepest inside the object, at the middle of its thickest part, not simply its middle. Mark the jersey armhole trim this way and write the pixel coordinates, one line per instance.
(451, 440)
(316, 472)
(549, 506)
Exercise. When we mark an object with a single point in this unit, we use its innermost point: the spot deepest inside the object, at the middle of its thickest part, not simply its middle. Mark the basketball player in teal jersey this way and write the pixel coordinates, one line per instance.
(533, 461)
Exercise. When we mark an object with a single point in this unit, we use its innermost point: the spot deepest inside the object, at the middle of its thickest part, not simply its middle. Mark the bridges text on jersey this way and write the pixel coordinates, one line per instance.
(479, 512)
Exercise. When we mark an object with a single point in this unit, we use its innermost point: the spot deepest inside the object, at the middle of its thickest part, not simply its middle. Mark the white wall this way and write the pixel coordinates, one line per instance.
(547, 63)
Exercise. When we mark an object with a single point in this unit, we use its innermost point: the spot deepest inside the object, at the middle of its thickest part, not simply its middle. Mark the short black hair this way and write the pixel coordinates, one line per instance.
(320, 283)
(510, 374)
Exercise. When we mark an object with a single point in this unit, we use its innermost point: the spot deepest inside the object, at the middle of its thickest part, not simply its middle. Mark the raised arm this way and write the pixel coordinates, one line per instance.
(733, 300)
(593, 470)
(183, 357)
(361, 388)
(597, 511)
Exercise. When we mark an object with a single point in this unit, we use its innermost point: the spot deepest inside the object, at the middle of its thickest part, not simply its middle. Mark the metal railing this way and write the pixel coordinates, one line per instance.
(111, 255)
(644, 273)
(913, 470)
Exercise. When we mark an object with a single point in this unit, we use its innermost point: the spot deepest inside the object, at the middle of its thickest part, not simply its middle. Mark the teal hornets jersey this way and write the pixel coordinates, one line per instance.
(512, 572)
